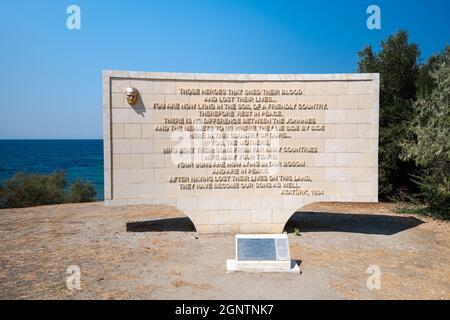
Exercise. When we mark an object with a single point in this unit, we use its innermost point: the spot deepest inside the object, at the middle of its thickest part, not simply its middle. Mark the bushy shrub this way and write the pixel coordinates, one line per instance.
(26, 190)
(29, 190)
(81, 192)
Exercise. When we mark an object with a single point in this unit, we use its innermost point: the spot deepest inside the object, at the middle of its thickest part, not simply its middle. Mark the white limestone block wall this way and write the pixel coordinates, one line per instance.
(344, 166)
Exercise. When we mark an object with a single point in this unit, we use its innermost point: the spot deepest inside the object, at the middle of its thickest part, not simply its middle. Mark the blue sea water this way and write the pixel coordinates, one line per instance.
(79, 159)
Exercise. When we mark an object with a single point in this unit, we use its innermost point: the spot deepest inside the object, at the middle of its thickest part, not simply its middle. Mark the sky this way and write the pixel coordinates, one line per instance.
(51, 77)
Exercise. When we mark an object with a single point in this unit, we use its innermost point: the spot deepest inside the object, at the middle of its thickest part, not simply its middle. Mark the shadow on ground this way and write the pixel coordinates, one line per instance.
(304, 221)
(182, 224)
(354, 223)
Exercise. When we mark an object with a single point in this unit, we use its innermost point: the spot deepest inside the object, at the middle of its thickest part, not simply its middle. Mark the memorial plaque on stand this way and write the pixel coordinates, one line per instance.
(262, 253)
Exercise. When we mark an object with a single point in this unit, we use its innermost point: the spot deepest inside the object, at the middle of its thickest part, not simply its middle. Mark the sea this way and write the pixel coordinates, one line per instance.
(79, 159)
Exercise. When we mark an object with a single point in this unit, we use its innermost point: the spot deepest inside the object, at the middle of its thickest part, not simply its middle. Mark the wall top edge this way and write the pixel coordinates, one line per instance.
(241, 77)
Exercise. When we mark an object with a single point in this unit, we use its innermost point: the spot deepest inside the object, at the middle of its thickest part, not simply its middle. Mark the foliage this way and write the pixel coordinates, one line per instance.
(28, 190)
(426, 82)
(414, 154)
(428, 138)
(397, 63)
(82, 192)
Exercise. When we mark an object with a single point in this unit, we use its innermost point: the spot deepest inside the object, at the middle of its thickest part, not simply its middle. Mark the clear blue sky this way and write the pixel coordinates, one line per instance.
(50, 78)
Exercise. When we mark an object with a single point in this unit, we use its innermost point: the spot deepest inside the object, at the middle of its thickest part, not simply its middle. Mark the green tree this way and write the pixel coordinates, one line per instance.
(397, 63)
(428, 140)
(426, 81)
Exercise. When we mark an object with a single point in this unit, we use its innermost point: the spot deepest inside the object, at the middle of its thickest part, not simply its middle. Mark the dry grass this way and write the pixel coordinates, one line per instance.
(38, 244)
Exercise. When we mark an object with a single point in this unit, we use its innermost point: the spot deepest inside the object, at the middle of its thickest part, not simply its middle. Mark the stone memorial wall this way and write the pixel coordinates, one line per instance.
(240, 153)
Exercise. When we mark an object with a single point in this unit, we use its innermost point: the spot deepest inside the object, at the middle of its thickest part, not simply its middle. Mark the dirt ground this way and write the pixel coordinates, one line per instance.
(153, 252)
